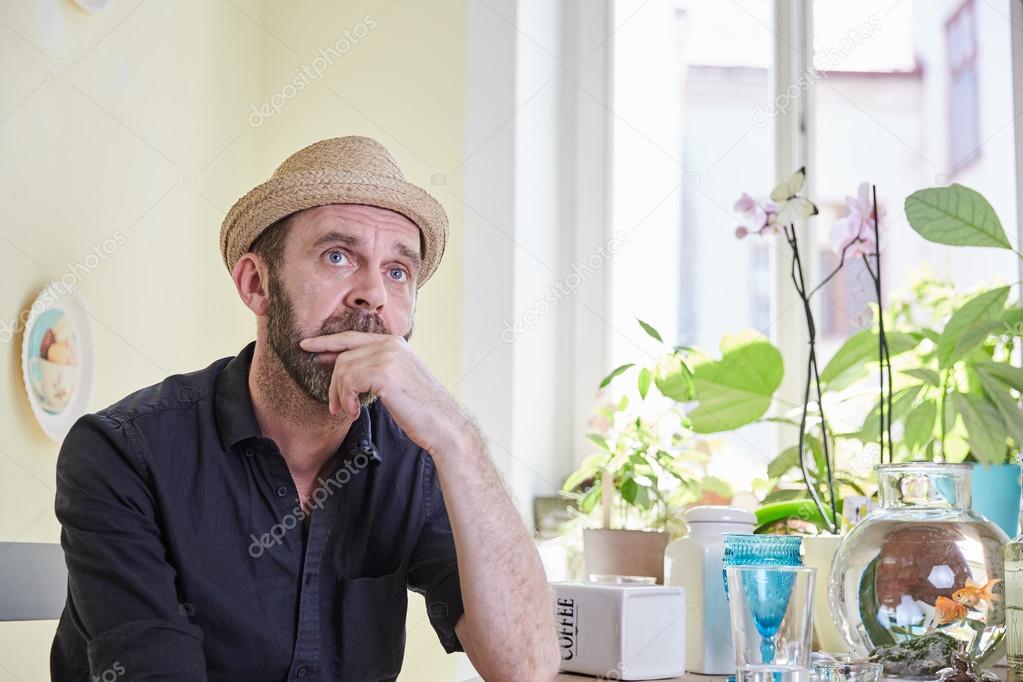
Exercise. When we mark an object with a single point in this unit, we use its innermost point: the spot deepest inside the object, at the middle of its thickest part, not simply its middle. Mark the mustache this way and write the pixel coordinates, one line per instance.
(355, 321)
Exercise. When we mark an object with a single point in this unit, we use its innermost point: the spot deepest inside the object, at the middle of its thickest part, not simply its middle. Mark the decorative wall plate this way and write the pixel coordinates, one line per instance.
(57, 359)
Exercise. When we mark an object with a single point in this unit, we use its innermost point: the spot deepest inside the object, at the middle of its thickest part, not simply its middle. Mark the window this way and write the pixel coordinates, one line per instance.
(963, 102)
(690, 134)
(894, 100)
(686, 142)
(888, 72)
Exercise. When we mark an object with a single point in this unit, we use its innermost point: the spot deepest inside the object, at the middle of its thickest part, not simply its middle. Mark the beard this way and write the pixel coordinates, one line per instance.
(284, 334)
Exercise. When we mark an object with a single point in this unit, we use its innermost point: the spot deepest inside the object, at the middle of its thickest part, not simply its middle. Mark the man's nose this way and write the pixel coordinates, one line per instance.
(368, 291)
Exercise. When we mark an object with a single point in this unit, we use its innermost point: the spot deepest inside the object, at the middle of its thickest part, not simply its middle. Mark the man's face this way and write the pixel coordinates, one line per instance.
(345, 267)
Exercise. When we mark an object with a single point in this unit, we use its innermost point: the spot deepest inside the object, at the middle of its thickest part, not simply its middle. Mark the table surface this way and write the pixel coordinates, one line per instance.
(998, 670)
(572, 677)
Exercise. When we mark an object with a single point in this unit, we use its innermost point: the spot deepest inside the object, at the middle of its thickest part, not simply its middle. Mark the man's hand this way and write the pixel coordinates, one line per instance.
(508, 626)
(385, 366)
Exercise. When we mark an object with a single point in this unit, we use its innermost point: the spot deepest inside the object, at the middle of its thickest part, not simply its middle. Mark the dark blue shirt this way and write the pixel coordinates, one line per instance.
(189, 557)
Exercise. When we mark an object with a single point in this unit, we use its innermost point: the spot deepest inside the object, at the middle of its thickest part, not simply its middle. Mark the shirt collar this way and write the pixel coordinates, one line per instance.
(236, 418)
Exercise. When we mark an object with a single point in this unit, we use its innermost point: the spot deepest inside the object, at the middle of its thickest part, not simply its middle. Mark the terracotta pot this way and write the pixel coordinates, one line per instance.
(635, 553)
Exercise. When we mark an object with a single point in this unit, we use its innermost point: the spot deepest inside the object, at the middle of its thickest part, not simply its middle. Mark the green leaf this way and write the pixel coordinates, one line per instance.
(950, 414)
(839, 480)
(1013, 320)
(816, 450)
(599, 441)
(643, 500)
(737, 389)
(955, 215)
(968, 325)
(857, 349)
(615, 372)
(928, 376)
(797, 508)
(644, 382)
(675, 380)
(1007, 374)
(919, 425)
(629, 490)
(902, 401)
(587, 470)
(985, 429)
(847, 364)
(650, 330)
(590, 500)
(1007, 406)
(639, 459)
(635, 494)
(900, 342)
(784, 495)
(783, 463)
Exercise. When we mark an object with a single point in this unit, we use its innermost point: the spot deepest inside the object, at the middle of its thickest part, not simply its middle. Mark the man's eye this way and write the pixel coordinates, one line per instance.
(397, 274)
(337, 257)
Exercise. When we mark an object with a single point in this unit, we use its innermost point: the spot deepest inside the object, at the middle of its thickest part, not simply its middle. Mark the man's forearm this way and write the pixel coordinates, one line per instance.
(508, 627)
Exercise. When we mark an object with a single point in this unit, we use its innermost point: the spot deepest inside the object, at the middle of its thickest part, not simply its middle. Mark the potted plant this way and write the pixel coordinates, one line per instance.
(904, 574)
(967, 394)
(644, 471)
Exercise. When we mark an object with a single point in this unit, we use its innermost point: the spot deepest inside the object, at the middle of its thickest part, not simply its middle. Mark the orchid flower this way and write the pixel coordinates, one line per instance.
(853, 235)
(757, 217)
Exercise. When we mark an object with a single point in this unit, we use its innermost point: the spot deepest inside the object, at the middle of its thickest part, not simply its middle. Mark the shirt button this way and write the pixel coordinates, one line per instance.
(248, 452)
(302, 671)
(282, 491)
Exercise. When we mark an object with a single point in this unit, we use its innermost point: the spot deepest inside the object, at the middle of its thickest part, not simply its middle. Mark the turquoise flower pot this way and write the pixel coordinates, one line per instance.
(996, 493)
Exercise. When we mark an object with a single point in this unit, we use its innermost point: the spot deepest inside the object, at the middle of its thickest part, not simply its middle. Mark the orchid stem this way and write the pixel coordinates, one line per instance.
(812, 380)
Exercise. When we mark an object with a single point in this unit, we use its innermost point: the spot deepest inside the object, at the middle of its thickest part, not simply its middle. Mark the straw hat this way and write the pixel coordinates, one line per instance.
(340, 170)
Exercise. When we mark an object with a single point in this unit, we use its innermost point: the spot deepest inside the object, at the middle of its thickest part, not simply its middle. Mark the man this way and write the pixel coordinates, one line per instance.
(261, 519)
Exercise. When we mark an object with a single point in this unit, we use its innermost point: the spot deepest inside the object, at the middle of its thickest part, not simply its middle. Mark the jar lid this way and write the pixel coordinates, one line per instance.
(720, 514)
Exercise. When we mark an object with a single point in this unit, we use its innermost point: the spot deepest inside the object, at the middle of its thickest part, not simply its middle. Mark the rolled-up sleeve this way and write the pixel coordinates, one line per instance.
(122, 598)
(433, 569)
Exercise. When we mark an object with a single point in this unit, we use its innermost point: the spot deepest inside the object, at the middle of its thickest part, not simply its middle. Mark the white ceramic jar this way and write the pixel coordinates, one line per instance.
(695, 563)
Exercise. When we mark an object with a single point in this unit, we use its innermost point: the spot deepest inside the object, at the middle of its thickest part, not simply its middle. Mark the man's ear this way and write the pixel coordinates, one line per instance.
(251, 278)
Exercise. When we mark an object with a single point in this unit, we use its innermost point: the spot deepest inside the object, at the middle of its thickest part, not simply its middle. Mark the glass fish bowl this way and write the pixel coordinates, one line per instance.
(922, 575)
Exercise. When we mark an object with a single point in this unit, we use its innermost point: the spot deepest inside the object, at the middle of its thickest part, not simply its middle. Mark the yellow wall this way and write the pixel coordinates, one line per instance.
(138, 120)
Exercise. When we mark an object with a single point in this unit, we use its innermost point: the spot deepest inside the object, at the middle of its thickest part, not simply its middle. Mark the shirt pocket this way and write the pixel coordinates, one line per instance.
(371, 641)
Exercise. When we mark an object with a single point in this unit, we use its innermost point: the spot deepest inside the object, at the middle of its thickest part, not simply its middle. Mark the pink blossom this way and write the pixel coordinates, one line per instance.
(746, 204)
(756, 217)
(854, 234)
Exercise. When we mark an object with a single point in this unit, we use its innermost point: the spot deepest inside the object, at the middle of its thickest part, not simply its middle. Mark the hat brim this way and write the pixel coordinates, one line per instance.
(281, 196)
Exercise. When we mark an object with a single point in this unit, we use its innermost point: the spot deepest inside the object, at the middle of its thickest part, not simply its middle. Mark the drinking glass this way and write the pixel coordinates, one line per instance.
(744, 549)
(771, 611)
(841, 671)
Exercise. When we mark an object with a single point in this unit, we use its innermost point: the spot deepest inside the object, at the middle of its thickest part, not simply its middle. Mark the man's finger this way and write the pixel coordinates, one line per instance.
(347, 358)
(339, 342)
(346, 387)
(342, 396)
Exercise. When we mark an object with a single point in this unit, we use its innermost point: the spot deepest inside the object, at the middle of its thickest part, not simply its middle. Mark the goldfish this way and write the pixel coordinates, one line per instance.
(949, 611)
(973, 594)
